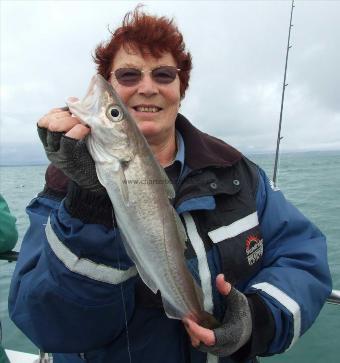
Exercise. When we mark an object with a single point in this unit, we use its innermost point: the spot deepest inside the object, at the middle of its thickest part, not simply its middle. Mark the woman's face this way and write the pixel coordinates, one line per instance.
(153, 105)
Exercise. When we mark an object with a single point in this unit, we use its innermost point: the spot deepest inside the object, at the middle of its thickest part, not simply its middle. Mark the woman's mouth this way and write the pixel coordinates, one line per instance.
(146, 108)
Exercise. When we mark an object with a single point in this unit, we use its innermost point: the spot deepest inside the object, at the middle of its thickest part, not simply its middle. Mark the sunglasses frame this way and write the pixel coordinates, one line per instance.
(142, 73)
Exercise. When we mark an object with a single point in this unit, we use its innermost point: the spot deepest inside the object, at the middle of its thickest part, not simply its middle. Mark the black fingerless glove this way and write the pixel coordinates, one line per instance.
(247, 329)
(236, 327)
(72, 158)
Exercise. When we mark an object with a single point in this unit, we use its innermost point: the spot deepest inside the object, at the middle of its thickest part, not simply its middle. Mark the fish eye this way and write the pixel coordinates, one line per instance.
(114, 113)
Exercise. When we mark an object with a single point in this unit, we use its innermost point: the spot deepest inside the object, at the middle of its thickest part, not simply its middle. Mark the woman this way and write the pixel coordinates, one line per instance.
(273, 259)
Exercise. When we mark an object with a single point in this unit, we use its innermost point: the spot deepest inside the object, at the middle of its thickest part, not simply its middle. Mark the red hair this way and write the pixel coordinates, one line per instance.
(148, 34)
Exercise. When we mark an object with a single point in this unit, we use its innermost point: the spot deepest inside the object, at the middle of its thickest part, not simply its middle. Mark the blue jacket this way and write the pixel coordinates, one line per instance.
(76, 292)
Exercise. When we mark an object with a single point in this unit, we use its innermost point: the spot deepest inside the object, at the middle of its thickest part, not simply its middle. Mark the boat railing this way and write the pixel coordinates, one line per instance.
(334, 297)
(12, 256)
(9, 256)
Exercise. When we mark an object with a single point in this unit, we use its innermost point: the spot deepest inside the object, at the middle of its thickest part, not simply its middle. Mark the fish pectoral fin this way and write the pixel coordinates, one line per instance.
(123, 185)
(114, 178)
(118, 169)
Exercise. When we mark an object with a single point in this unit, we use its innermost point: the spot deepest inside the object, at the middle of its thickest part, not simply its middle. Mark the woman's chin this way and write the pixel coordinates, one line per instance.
(148, 128)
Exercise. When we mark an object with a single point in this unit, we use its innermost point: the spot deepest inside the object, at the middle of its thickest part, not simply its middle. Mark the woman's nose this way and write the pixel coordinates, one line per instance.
(147, 86)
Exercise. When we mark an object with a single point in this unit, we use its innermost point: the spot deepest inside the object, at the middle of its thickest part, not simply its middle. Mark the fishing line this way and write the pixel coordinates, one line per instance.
(124, 307)
(125, 315)
(278, 170)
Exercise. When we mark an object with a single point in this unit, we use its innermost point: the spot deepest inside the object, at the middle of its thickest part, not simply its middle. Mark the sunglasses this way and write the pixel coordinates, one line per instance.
(132, 76)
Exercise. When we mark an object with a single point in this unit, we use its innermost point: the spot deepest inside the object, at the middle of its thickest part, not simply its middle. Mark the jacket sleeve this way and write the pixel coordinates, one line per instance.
(8, 229)
(73, 281)
(294, 280)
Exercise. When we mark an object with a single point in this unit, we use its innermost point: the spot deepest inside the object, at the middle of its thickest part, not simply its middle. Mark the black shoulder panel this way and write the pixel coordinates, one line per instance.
(250, 172)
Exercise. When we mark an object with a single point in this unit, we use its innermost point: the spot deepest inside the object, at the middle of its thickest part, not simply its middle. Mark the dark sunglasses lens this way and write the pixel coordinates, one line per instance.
(165, 74)
(128, 76)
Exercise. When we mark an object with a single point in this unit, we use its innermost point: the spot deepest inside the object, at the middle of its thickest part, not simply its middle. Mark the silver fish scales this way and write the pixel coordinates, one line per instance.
(140, 192)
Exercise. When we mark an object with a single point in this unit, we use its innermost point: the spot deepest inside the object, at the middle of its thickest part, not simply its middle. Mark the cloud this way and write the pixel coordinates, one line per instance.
(238, 50)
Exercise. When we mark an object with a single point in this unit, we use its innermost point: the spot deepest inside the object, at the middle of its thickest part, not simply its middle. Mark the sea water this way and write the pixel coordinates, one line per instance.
(310, 180)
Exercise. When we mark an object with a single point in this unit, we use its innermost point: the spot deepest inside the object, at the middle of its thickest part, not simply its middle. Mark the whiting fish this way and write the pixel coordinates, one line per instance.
(140, 192)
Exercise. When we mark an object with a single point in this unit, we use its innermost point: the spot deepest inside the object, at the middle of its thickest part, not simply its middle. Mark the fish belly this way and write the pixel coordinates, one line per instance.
(146, 223)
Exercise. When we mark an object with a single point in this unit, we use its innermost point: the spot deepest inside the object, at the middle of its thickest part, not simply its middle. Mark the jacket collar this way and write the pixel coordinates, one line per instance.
(203, 150)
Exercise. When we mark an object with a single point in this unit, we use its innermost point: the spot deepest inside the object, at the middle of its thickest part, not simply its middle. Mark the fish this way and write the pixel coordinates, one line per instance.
(141, 194)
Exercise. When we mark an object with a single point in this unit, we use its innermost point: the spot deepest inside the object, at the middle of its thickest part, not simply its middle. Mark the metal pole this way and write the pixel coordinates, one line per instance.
(334, 297)
(9, 256)
(282, 99)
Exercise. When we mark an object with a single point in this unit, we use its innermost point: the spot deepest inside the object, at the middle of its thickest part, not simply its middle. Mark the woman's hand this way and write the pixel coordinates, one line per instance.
(235, 329)
(61, 120)
(62, 136)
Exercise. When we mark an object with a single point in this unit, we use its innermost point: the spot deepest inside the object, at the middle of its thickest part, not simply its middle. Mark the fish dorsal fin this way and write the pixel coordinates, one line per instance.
(168, 187)
(170, 190)
(180, 228)
(144, 149)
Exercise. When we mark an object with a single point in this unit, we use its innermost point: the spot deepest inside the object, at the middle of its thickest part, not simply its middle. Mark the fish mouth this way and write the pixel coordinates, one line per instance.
(147, 108)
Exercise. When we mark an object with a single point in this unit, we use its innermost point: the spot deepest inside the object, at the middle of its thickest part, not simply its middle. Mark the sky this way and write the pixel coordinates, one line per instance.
(238, 50)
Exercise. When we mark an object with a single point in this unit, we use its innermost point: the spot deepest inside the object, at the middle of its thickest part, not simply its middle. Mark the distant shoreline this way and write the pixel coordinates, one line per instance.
(289, 152)
(248, 154)
(23, 164)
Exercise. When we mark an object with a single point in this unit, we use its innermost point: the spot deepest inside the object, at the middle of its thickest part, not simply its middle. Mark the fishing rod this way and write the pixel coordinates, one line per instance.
(279, 137)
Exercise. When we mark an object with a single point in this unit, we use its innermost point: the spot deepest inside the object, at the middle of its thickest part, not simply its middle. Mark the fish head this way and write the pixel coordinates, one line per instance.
(102, 110)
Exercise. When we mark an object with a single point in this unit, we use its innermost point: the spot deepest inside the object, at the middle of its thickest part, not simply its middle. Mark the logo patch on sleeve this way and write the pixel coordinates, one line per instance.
(254, 249)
